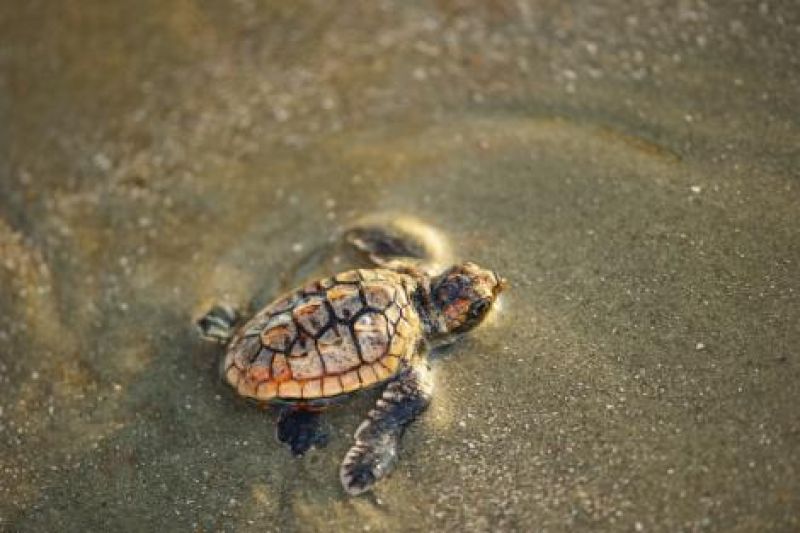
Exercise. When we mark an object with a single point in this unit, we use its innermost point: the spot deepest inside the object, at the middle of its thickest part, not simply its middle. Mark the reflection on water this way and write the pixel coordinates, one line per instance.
(629, 168)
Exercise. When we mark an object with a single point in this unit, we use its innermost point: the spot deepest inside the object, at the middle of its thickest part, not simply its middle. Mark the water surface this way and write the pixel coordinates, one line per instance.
(631, 169)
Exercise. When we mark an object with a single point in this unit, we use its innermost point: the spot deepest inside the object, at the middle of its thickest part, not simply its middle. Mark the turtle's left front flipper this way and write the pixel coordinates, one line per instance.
(375, 450)
(400, 243)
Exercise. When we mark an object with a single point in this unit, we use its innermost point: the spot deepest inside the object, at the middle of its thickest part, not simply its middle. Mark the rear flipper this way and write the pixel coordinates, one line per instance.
(374, 453)
(301, 430)
(219, 323)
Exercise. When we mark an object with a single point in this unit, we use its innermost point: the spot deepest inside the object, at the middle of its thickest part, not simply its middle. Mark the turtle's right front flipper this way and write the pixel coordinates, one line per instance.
(375, 450)
(219, 323)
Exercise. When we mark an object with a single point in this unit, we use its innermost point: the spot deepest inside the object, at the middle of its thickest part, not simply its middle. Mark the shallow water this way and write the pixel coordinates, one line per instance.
(631, 170)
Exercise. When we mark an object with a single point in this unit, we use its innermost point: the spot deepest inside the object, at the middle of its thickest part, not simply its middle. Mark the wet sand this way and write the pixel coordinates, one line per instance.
(631, 169)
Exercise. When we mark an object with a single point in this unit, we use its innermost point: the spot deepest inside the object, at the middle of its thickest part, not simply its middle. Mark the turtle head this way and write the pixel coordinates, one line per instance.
(464, 294)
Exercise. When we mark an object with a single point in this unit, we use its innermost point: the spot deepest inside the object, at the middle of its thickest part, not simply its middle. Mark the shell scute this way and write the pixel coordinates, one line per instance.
(279, 332)
(313, 287)
(246, 386)
(404, 328)
(290, 389)
(401, 299)
(312, 315)
(338, 350)
(373, 340)
(264, 357)
(378, 295)
(381, 370)
(258, 373)
(312, 388)
(245, 350)
(306, 367)
(280, 368)
(392, 313)
(350, 381)
(351, 276)
(284, 303)
(370, 274)
(367, 375)
(302, 346)
(345, 300)
(233, 375)
(331, 386)
(391, 362)
(267, 390)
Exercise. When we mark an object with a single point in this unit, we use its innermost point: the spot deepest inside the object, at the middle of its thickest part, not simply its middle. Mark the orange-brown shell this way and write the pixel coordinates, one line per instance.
(331, 337)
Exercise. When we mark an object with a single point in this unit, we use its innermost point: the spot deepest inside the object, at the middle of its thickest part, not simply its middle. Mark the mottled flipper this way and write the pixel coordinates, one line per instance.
(301, 430)
(375, 450)
(219, 323)
(398, 243)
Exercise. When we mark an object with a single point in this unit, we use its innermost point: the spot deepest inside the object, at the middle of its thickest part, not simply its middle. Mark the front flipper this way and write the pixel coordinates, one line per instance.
(301, 430)
(398, 243)
(375, 450)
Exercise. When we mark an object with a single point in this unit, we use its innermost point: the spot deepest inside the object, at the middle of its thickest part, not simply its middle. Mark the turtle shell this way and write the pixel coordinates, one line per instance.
(331, 337)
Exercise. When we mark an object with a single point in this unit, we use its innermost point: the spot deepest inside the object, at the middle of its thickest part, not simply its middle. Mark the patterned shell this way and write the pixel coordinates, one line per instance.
(331, 337)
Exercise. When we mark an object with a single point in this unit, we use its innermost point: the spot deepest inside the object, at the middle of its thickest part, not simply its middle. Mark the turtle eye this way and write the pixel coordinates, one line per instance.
(479, 308)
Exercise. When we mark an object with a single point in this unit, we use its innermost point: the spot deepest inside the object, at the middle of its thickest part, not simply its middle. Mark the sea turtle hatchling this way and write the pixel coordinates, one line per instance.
(359, 329)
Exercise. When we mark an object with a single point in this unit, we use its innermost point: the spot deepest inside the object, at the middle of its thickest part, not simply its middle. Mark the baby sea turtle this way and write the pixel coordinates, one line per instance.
(359, 329)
